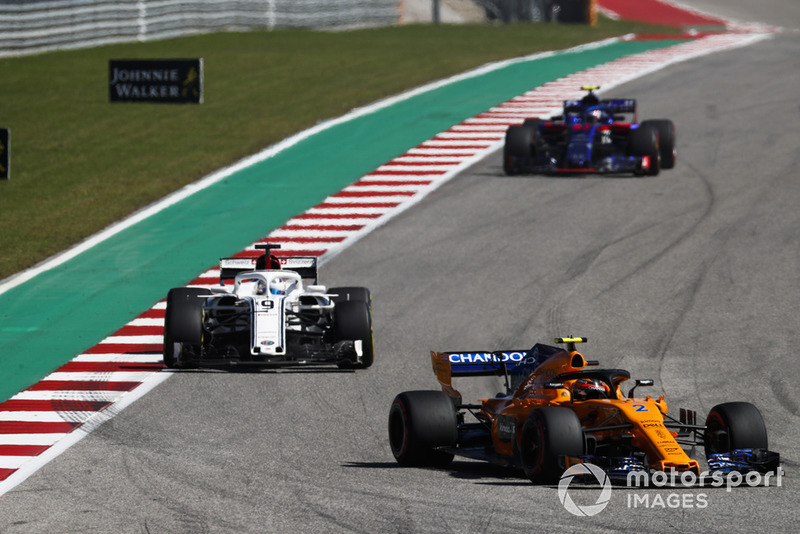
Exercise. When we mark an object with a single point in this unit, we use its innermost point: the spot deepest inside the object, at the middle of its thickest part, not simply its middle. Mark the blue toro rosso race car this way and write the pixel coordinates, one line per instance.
(591, 136)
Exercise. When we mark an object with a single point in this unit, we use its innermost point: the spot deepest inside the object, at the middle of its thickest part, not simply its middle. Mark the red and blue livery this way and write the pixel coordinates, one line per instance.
(591, 136)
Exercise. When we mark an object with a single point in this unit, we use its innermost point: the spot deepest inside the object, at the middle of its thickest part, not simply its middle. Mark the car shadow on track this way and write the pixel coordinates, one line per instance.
(266, 370)
(498, 173)
(482, 473)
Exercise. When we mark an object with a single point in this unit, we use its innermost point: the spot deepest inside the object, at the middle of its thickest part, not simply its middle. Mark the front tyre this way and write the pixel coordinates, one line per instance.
(420, 421)
(734, 425)
(518, 148)
(183, 321)
(643, 143)
(548, 434)
(352, 320)
(666, 141)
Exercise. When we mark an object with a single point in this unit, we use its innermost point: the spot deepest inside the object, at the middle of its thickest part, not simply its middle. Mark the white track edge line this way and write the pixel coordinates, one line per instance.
(70, 439)
(189, 190)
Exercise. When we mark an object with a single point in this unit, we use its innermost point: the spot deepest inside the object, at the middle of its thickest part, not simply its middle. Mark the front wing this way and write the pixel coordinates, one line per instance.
(609, 165)
(340, 353)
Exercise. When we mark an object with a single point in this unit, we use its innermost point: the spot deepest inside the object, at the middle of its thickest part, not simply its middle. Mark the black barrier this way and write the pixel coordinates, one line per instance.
(172, 81)
(575, 11)
(572, 11)
(5, 153)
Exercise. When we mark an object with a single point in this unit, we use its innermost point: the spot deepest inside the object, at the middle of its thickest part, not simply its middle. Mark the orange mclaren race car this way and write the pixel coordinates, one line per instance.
(559, 410)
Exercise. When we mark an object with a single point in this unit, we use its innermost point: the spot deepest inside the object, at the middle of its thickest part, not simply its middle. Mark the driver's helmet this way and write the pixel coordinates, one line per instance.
(596, 115)
(590, 388)
(590, 100)
(261, 288)
(280, 285)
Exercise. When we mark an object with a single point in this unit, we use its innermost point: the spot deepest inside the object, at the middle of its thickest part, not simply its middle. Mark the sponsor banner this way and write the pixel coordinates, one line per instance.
(237, 263)
(172, 81)
(5, 154)
(481, 363)
(298, 263)
(486, 357)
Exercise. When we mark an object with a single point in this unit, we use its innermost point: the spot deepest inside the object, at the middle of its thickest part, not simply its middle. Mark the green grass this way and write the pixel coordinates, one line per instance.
(80, 163)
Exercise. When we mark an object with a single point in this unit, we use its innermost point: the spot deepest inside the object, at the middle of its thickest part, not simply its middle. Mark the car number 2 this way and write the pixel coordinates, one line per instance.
(640, 408)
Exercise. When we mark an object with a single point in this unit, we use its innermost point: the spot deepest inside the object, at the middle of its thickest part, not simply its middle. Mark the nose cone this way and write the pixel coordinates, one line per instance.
(579, 153)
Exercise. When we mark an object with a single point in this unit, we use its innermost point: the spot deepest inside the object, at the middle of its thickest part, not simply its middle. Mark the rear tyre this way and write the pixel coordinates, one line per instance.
(420, 421)
(666, 141)
(549, 433)
(531, 123)
(352, 320)
(183, 322)
(734, 425)
(643, 142)
(518, 149)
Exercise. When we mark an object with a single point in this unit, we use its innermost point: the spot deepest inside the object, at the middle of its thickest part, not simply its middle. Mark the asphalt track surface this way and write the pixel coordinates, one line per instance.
(690, 278)
(138, 261)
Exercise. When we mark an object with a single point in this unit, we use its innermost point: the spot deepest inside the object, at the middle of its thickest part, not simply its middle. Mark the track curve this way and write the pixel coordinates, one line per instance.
(690, 278)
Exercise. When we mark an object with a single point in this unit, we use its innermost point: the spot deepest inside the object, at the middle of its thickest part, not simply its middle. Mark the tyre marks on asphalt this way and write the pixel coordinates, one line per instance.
(71, 401)
(42, 421)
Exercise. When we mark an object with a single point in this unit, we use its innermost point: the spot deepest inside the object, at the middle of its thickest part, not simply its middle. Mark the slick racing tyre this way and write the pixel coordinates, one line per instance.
(350, 293)
(183, 321)
(532, 123)
(420, 421)
(643, 141)
(734, 425)
(352, 320)
(518, 147)
(666, 141)
(549, 433)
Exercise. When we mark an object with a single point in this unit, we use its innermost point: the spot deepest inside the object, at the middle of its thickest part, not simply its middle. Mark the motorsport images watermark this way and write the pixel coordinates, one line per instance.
(659, 479)
(583, 470)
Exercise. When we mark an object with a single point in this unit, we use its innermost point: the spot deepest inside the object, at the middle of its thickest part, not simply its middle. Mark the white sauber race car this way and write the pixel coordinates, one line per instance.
(268, 317)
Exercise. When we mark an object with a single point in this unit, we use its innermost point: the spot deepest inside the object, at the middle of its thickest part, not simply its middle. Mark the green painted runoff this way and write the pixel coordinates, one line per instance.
(48, 320)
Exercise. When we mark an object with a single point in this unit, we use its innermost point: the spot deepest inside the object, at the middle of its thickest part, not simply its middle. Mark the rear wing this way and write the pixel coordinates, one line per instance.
(514, 365)
(230, 267)
(447, 365)
(618, 105)
(614, 105)
(305, 266)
